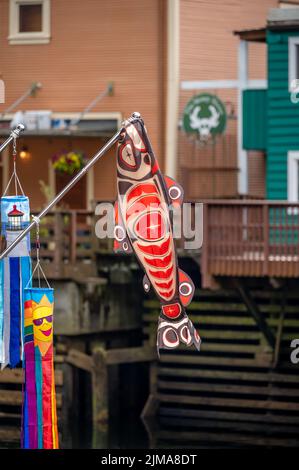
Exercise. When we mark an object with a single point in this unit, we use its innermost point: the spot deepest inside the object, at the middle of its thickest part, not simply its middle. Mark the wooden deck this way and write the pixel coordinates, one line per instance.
(250, 238)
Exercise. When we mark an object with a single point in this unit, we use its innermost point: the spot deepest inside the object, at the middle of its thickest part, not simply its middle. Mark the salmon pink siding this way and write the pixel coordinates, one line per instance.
(96, 42)
(92, 43)
(209, 49)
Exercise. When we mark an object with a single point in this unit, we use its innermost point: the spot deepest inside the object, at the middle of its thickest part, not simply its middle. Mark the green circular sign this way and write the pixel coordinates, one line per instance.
(204, 114)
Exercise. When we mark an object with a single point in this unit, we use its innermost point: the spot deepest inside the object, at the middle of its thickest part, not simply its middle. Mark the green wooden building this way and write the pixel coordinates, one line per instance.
(271, 116)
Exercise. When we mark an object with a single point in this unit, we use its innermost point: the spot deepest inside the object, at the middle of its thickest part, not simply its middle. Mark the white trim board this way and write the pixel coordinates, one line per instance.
(173, 86)
(88, 116)
(293, 162)
(224, 84)
(292, 57)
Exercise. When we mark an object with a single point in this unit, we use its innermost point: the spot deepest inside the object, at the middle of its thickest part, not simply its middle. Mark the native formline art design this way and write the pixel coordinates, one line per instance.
(143, 226)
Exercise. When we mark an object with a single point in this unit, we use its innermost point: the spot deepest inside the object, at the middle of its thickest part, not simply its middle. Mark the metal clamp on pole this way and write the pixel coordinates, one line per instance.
(15, 133)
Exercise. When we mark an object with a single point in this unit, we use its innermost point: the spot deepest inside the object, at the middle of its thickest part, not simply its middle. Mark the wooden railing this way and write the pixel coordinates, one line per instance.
(67, 243)
(241, 238)
(250, 238)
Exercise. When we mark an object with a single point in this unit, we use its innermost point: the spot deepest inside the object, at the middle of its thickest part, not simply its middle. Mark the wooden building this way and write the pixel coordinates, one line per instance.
(78, 49)
(260, 237)
(242, 390)
(158, 54)
(75, 50)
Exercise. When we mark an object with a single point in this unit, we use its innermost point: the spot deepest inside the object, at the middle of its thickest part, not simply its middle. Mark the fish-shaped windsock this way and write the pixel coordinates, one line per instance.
(143, 226)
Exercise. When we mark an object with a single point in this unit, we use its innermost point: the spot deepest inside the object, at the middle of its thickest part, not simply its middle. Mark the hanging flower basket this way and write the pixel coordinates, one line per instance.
(68, 163)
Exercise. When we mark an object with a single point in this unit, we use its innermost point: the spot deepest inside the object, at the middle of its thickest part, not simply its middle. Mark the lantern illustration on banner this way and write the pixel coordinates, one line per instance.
(15, 219)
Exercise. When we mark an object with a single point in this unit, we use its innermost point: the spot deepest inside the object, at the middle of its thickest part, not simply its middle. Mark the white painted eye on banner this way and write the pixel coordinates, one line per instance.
(169, 342)
(185, 289)
(185, 335)
(119, 233)
(174, 192)
(127, 155)
(125, 246)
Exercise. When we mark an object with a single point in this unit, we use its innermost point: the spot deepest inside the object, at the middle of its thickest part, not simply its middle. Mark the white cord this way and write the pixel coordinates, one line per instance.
(14, 173)
(38, 266)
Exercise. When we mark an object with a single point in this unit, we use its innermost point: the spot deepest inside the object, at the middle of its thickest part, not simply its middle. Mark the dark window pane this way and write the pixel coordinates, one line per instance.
(30, 18)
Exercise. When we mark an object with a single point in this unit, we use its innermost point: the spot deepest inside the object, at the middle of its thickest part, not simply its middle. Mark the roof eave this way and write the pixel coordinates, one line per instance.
(252, 35)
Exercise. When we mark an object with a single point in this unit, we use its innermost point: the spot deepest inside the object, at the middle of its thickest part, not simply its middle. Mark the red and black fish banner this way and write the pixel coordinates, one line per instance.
(143, 226)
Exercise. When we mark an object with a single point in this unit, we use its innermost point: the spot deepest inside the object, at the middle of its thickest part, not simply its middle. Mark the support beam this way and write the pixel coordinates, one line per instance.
(252, 308)
(242, 85)
(173, 46)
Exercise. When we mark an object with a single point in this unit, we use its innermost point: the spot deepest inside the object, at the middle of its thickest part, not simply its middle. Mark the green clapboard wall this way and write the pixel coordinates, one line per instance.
(282, 115)
(254, 119)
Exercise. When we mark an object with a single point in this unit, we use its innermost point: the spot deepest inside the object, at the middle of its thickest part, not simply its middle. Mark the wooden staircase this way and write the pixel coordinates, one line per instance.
(237, 392)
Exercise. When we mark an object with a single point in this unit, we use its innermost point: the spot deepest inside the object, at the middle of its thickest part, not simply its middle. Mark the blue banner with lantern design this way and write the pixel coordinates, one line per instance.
(15, 216)
(15, 276)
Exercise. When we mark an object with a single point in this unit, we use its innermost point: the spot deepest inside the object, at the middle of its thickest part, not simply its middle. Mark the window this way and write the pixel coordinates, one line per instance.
(30, 17)
(293, 176)
(29, 22)
(293, 62)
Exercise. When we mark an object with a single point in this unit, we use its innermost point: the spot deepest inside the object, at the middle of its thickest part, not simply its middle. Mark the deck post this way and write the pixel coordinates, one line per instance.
(99, 386)
(100, 411)
(59, 243)
(266, 238)
(73, 237)
(206, 277)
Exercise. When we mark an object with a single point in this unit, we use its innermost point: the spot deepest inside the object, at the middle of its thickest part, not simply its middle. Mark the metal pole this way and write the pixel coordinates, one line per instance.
(59, 196)
(14, 135)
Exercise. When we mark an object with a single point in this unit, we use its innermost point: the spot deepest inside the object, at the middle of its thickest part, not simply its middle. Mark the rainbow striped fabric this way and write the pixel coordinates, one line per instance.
(39, 423)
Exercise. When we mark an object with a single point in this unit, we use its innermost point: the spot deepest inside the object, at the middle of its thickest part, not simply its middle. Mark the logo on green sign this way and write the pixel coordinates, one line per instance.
(204, 114)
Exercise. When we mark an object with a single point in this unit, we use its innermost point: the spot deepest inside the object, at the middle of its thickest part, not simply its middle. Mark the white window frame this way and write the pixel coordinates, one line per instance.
(293, 42)
(293, 162)
(15, 36)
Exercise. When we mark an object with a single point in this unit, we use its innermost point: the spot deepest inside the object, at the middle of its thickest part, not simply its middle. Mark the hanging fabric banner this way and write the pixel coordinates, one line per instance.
(39, 428)
(15, 216)
(1, 307)
(143, 225)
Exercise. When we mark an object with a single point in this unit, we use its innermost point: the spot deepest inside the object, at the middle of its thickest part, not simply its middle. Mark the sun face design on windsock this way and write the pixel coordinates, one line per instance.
(143, 226)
